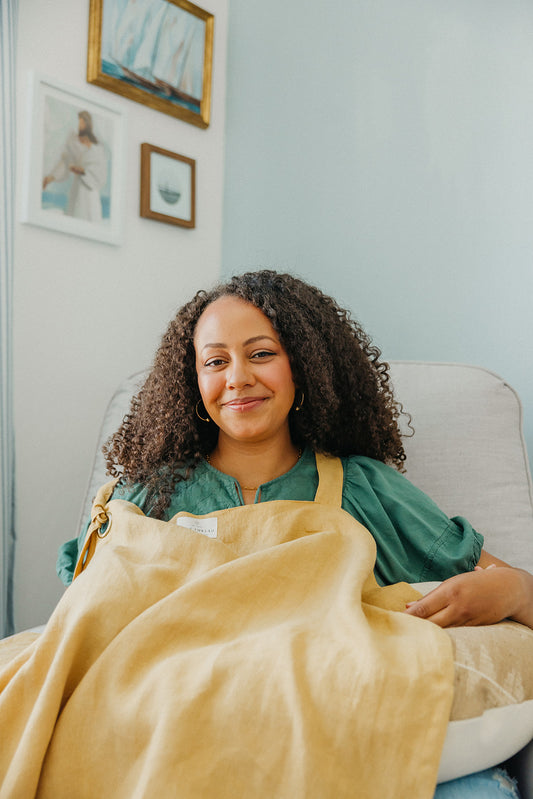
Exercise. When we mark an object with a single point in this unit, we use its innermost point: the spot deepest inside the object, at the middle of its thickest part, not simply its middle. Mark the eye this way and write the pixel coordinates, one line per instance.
(214, 362)
(261, 354)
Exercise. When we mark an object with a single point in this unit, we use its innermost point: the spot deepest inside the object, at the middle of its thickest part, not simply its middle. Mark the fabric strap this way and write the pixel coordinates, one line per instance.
(99, 517)
(330, 480)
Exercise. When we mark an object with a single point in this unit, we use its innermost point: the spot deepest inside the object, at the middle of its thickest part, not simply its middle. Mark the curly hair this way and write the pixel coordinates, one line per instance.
(349, 406)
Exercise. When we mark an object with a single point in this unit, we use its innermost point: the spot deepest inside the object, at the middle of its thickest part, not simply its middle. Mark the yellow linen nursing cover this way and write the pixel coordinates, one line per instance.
(249, 653)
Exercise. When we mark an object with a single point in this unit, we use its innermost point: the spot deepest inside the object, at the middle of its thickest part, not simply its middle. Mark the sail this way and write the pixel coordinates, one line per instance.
(149, 43)
(181, 36)
(191, 82)
(129, 30)
(136, 35)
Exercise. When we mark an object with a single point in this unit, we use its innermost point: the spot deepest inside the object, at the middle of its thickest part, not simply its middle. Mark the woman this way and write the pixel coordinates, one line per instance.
(253, 378)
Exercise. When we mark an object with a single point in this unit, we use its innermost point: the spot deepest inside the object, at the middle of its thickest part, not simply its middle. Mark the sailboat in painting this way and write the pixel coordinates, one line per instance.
(160, 47)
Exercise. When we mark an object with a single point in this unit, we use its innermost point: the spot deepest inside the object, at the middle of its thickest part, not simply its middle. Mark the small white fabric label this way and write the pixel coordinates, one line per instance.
(206, 527)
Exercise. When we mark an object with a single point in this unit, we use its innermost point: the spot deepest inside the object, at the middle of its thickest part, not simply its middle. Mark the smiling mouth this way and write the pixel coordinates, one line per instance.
(244, 404)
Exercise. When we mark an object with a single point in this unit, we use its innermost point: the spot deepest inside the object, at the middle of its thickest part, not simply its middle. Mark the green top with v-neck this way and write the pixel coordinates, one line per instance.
(416, 541)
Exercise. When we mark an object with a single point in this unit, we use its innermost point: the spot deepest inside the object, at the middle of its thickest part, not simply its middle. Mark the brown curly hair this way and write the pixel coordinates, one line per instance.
(348, 409)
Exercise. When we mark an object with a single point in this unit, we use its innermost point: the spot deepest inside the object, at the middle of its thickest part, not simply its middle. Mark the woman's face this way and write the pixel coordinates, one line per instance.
(244, 374)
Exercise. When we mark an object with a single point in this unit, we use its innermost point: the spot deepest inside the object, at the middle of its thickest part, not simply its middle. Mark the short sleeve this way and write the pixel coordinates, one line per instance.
(416, 541)
(68, 552)
(67, 557)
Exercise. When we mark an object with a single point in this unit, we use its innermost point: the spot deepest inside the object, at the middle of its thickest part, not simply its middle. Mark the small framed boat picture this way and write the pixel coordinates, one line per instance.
(168, 186)
(156, 52)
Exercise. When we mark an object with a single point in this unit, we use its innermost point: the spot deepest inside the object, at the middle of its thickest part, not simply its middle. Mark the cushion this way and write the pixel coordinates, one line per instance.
(493, 667)
(492, 712)
(484, 741)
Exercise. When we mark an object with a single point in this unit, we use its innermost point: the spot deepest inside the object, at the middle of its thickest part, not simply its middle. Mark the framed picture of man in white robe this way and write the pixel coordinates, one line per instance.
(74, 168)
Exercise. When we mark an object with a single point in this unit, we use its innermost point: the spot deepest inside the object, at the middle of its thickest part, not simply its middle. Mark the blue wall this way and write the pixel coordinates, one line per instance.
(383, 149)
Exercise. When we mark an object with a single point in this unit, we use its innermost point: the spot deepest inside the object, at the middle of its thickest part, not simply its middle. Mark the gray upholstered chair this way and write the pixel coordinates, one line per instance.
(467, 453)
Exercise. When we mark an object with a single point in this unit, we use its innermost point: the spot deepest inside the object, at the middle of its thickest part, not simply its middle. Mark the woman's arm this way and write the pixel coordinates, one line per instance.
(492, 592)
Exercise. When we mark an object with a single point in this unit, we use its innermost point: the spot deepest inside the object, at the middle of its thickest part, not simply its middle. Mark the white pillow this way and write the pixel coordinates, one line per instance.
(475, 744)
(492, 713)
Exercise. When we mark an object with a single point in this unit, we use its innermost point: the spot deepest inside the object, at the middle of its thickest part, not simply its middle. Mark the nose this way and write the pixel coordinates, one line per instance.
(239, 374)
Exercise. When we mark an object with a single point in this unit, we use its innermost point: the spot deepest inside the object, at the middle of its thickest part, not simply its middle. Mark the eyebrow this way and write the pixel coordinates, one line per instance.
(251, 340)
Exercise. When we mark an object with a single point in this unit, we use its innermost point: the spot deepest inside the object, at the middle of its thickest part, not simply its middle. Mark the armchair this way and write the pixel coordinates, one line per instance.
(467, 453)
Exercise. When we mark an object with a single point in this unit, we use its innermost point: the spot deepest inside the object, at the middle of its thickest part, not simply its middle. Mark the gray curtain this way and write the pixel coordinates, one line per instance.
(8, 24)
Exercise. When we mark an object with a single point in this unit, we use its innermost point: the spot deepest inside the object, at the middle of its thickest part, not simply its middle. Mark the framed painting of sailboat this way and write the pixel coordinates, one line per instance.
(168, 186)
(156, 52)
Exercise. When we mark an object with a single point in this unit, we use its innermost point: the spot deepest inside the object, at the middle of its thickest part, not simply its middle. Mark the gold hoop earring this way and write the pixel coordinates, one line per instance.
(198, 414)
(298, 407)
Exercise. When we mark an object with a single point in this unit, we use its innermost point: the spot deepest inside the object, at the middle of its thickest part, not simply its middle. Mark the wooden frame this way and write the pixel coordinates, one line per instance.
(167, 67)
(168, 186)
(74, 167)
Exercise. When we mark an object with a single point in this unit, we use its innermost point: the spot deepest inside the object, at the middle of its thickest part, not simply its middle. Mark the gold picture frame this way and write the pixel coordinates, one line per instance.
(158, 53)
(168, 186)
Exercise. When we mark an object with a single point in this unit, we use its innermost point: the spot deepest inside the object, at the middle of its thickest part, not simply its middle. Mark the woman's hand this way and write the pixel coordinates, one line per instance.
(492, 592)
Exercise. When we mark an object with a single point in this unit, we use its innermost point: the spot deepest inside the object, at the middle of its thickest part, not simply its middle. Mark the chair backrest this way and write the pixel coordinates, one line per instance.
(467, 453)
(118, 407)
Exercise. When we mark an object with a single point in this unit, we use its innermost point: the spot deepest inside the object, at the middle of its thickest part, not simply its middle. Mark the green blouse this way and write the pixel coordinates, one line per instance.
(416, 541)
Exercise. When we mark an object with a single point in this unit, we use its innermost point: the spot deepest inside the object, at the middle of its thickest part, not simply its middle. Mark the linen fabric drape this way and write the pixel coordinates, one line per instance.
(245, 653)
(8, 24)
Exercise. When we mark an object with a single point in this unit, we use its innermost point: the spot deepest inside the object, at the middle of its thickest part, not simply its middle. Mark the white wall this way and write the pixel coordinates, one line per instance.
(88, 314)
(383, 150)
